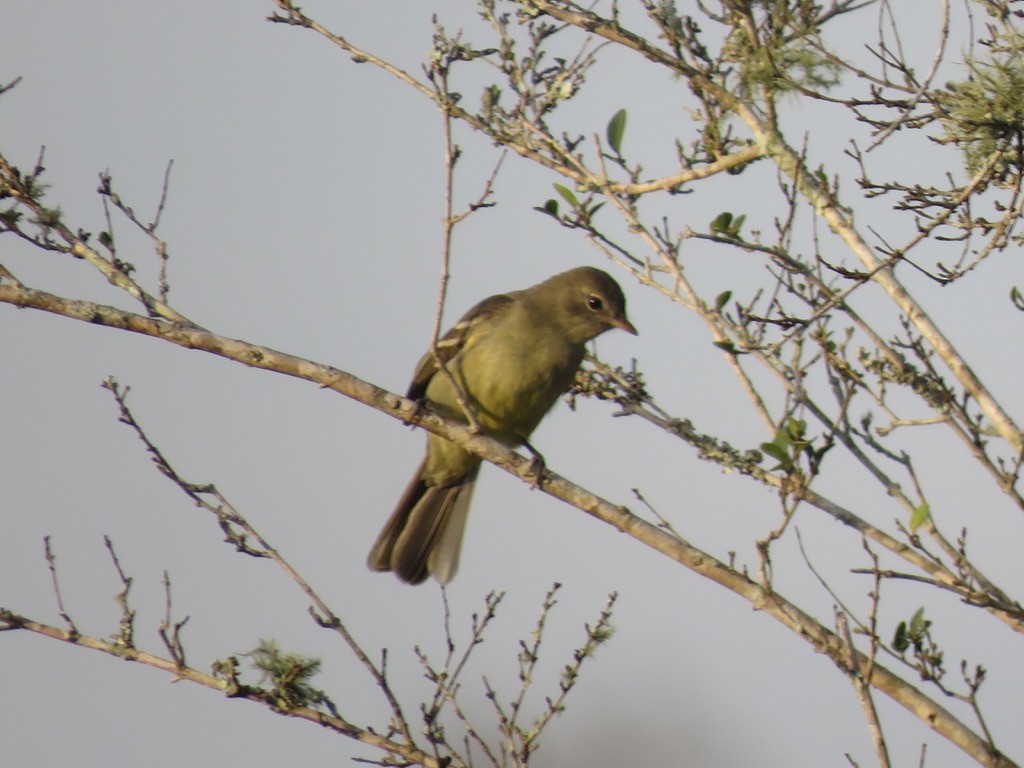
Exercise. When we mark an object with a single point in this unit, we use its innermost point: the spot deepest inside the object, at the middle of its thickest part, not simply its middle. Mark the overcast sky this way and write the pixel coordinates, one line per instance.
(303, 214)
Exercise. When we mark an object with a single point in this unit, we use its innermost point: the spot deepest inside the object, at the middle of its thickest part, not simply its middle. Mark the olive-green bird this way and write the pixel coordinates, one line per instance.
(513, 355)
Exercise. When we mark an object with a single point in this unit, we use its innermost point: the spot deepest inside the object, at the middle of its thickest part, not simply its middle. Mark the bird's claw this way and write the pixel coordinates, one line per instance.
(537, 468)
(421, 410)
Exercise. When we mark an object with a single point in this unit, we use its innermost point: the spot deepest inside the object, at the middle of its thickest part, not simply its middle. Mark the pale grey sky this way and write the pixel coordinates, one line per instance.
(304, 214)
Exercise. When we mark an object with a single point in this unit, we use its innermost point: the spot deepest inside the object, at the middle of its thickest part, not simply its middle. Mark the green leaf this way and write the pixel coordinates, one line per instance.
(550, 208)
(616, 129)
(727, 225)
(796, 428)
(1016, 298)
(721, 223)
(918, 624)
(567, 195)
(782, 439)
(900, 643)
(920, 516)
(776, 451)
(722, 299)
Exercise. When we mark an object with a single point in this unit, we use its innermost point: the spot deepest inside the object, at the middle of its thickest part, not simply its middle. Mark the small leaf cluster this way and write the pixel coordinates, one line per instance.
(789, 443)
(582, 211)
(915, 636)
(537, 82)
(585, 210)
(727, 225)
(289, 674)
(929, 387)
(777, 47)
(984, 114)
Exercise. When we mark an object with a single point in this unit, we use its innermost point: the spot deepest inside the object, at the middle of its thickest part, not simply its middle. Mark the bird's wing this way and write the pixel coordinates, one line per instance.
(449, 345)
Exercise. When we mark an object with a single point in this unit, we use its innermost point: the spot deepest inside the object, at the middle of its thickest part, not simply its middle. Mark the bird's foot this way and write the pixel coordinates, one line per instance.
(537, 465)
(537, 468)
(421, 410)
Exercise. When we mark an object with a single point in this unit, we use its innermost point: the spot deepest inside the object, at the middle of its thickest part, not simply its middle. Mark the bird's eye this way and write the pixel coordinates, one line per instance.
(595, 303)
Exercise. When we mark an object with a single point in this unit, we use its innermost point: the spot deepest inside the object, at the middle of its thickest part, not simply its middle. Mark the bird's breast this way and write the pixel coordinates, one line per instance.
(512, 380)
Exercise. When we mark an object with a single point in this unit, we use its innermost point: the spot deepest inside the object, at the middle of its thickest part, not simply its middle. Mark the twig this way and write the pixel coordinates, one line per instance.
(163, 284)
(172, 642)
(452, 153)
(126, 632)
(239, 532)
(929, 76)
(662, 521)
(51, 561)
(4, 87)
(55, 235)
(863, 688)
(8, 276)
(106, 189)
(447, 677)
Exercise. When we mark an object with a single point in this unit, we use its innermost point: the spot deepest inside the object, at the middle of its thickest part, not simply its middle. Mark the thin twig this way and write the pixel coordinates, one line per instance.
(448, 222)
(4, 87)
(126, 632)
(51, 561)
(172, 641)
(863, 688)
(239, 532)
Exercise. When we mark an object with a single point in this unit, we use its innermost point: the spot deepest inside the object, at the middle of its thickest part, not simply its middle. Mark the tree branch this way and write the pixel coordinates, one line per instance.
(619, 517)
(13, 621)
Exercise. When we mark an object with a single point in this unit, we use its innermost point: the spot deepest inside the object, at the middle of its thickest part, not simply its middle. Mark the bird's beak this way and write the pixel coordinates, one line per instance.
(624, 324)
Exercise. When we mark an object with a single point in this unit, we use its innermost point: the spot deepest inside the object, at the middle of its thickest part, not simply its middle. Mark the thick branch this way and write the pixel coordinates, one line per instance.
(619, 517)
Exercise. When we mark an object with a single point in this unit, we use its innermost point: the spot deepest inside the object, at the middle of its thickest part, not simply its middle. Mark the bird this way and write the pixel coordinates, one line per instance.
(513, 355)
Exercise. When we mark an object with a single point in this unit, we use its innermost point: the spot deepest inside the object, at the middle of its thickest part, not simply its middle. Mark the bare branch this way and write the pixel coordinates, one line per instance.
(226, 685)
(51, 562)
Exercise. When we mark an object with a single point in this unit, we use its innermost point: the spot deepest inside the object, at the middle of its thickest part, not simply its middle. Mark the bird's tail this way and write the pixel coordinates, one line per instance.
(423, 536)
